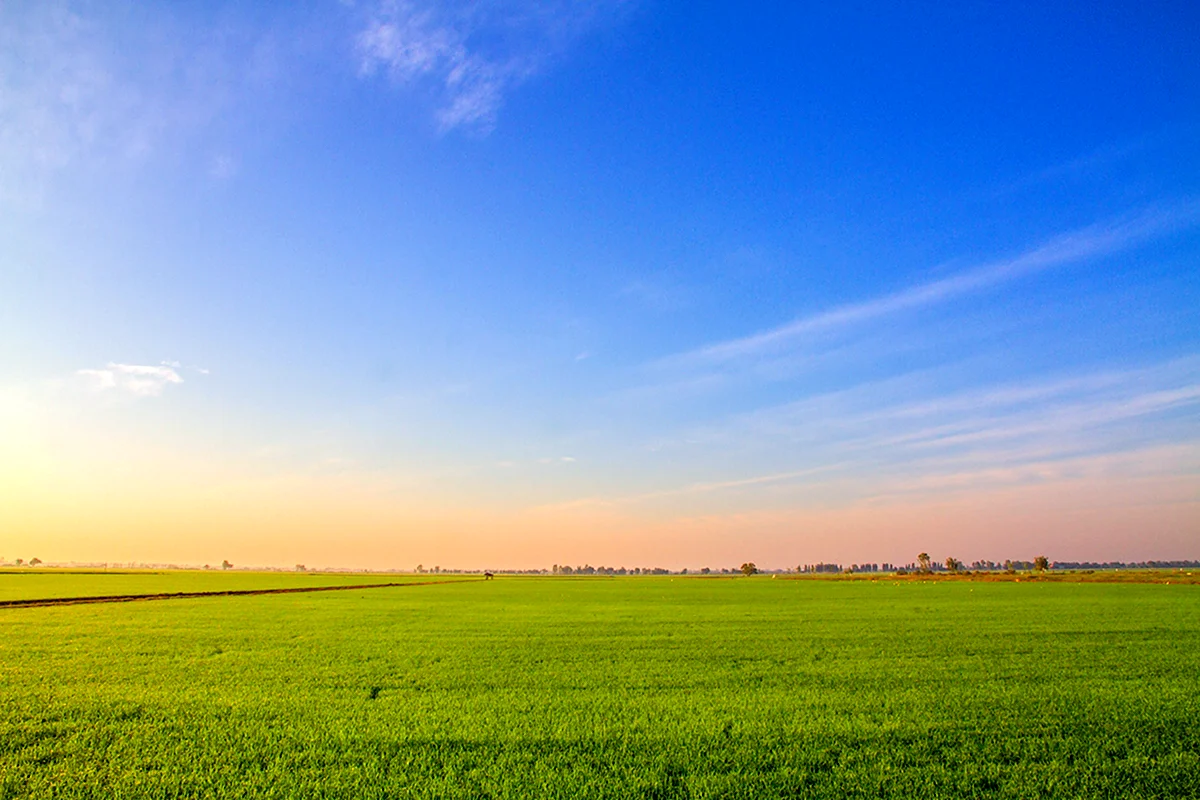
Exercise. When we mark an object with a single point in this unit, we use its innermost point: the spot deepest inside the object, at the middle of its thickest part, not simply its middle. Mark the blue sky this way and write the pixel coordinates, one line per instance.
(599, 281)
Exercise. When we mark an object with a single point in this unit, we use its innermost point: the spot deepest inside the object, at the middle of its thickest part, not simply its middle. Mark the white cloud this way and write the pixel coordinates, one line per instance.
(142, 380)
(472, 53)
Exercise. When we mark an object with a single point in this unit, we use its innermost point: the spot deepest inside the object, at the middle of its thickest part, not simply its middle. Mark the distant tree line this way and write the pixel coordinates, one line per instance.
(827, 568)
(1126, 565)
(924, 564)
(588, 569)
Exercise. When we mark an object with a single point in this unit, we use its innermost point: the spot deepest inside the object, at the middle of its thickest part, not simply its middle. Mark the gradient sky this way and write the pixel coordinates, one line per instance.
(632, 283)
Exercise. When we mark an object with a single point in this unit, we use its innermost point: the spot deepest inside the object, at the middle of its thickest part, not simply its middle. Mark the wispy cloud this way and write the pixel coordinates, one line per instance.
(1080, 245)
(1056, 420)
(907, 432)
(709, 487)
(142, 380)
(1147, 462)
(877, 419)
(84, 85)
(473, 54)
(840, 485)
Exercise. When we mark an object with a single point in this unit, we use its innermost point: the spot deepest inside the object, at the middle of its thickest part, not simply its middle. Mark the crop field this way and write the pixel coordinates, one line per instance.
(18, 584)
(651, 687)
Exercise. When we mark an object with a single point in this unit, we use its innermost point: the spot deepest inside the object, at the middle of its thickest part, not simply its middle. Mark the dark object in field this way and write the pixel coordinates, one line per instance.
(487, 576)
(129, 598)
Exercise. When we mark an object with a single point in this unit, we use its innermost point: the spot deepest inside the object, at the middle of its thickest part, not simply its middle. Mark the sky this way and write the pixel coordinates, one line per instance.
(507, 284)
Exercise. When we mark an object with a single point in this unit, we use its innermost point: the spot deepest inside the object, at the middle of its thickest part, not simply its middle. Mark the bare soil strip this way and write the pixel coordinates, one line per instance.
(129, 598)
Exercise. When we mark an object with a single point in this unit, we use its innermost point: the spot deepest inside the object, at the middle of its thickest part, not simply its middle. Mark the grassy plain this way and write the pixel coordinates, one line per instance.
(26, 584)
(626, 687)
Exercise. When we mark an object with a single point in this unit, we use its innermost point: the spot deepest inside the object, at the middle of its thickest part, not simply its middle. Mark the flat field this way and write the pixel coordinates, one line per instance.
(27, 584)
(626, 687)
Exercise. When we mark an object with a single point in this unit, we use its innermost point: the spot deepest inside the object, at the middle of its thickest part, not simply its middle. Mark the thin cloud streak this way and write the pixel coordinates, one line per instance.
(863, 444)
(1151, 462)
(863, 406)
(1057, 420)
(718, 486)
(935, 478)
(1076, 246)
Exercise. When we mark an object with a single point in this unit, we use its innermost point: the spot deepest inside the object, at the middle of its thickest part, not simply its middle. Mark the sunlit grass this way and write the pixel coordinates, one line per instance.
(26, 584)
(643, 687)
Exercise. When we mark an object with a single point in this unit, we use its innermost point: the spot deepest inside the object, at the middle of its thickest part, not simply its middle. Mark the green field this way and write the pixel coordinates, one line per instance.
(627, 687)
(26, 584)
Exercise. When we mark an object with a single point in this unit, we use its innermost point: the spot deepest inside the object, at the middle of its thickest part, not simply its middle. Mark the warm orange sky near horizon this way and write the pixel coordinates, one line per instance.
(1129, 508)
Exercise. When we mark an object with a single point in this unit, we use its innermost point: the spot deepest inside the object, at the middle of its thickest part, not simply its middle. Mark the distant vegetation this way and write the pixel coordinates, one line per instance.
(924, 564)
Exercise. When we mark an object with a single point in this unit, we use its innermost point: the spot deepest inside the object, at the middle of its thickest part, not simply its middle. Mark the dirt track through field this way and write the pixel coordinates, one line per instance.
(129, 598)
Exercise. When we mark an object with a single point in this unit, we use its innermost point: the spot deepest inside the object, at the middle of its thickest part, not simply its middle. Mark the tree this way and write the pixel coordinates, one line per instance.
(953, 564)
(749, 569)
(33, 562)
(226, 565)
(1041, 563)
(301, 568)
(925, 562)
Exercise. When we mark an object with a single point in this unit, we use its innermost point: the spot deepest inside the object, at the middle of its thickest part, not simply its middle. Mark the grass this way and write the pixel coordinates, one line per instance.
(628, 687)
(25, 583)
(1163, 576)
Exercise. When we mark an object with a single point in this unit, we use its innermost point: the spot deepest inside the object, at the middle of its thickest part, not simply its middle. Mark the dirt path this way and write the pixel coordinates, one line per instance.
(129, 598)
